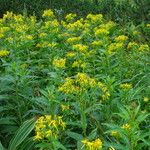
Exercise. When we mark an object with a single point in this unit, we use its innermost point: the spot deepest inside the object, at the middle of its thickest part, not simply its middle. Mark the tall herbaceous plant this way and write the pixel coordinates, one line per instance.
(84, 81)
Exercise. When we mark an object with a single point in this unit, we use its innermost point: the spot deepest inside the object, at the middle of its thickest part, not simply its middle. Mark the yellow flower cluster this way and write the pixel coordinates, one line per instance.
(49, 127)
(26, 38)
(80, 83)
(48, 13)
(146, 99)
(21, 29)
(109, 25)
(65, 107)
(46, 44)
(75, 26)
(115, 134)
(70, 54)
(8, 15)
(148, 25)
(113, 47)
(144, 47)
(1, 35)
(41, 35)
(101, 32)
(95, 18)
(69, 87)
(121, 38)
(132, 45)
(97, 43)
(126, 86)
(59, 63)
(18, 18)
(84, 80)
(3, 30)
(126, 126)
(103, 87)
(70, 17)
(52, 24)
(73, 40)
(80, 48)
(93, 145)
(79, 63)
(4, 53)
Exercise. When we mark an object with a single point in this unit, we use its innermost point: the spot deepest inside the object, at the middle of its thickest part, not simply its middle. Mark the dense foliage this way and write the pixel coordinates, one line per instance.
(121, 11)
(73, 83)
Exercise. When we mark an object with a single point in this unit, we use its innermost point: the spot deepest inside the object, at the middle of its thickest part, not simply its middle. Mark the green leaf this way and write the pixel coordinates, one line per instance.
(74, 135)
(21, 134)
(1, 146)
(7, 120)
(27, 144)
(59, 145)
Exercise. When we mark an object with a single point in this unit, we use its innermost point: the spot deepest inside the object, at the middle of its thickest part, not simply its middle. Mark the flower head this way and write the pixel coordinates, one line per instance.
(4, 53)
(59, 63)
(92, 145)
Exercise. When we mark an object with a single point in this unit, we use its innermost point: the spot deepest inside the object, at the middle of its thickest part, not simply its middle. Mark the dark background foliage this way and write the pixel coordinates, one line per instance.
(121, 11)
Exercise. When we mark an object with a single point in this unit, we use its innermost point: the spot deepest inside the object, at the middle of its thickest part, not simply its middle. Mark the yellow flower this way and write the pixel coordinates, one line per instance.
(73, 40)
(59, 63)
(70, 17)
(126, 86)
(38, 136)
(48, 133)
(48, 126)
(113, 47)
(24, 66)
(93, 145)
(97, 144)
(109, 25)
(132, 45)
(28, 37)
(144, 47)
(80, 48)
(68, 86)
(51, 45)
(146, 99)
(84, 80)
(103, 87)
(101, 32)
(106, 95)
(97, 43)
(48, 13)
(79, 63)
(148, 25)
(52, 24)
(8, 15)
(70, 54)
(121, 38)
(18, 18)
(94, 19)
(115, 134)
(126, 126)
(42, 34)
(4, 29)
(65, 107)
(1, 35)
(75, 26)
(136, 33)
(9, 39)
(4, 53)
